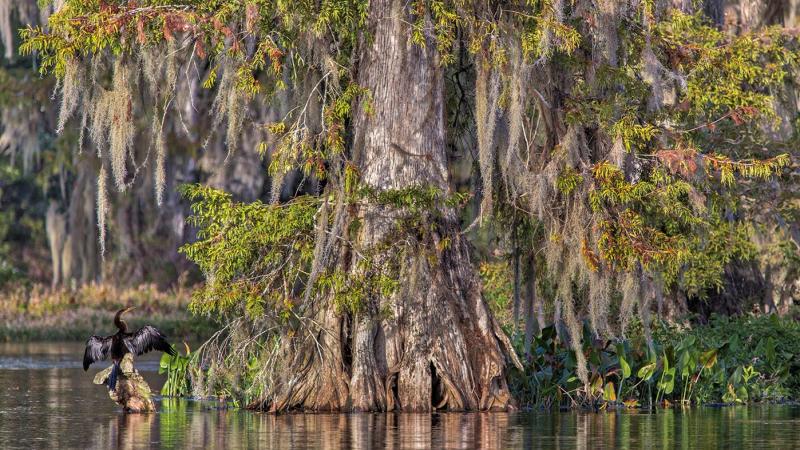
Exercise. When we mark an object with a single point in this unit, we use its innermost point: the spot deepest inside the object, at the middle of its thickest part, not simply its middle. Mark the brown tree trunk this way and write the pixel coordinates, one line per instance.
(534, 313)
(433, 343)
(440, 347)
(56, 226)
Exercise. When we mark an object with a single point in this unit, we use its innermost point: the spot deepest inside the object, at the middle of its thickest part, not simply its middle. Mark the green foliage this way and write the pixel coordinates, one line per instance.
(674, 214)
(677, 213)
(259, 263)
(660, 224)
(498, 290)
(253, 255)
(723, 87)
(568, 180)
(733, 361)
(726, 74)
(351, 291)
(724, 80)
(414, 200)
(178, 383)
(297, 148)
(635, 136)
(84, 27)
(257, 257)
(545, 35)
(754, 358)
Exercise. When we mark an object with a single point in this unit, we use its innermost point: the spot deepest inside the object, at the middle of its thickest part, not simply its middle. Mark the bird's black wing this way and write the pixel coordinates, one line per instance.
(146, 339)
(97, 348)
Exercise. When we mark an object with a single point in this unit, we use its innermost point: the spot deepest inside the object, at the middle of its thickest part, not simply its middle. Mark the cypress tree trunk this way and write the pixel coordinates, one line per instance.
(433, 343)
(441, 346)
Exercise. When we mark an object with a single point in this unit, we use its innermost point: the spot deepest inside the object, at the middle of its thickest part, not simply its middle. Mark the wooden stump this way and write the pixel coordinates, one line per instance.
(132, 391)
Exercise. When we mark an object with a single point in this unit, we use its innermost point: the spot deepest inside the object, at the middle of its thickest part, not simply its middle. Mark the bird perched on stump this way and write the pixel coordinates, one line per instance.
(117, 345)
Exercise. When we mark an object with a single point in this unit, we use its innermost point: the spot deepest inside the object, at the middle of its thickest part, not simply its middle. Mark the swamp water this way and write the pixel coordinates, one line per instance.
(48, 401)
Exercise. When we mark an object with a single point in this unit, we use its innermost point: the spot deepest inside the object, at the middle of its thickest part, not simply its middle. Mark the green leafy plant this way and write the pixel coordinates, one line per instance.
(705, 364)
(177, 367)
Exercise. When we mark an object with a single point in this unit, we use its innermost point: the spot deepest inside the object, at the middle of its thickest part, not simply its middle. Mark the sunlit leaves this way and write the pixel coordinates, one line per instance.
(568, 180)
(255, 256)
(635, 136)
(252, 254)
(726, 73)
(659, 223)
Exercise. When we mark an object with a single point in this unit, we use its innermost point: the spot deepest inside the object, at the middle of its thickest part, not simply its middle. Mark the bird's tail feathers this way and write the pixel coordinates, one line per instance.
(112, 377)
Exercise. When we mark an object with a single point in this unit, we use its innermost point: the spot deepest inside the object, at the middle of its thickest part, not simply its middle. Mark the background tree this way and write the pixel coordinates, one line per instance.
(50, 178)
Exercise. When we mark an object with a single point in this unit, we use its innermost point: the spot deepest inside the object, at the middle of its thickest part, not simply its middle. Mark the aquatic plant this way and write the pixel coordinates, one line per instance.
(176, 367)
(729, 361)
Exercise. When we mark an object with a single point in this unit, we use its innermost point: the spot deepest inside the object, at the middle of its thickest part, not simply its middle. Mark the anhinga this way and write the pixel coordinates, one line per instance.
(138, 343)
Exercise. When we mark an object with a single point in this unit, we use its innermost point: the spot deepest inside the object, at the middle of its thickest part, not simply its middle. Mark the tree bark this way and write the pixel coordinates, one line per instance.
(433, 343)
(441, 347)
(534, 314)
(56, 226)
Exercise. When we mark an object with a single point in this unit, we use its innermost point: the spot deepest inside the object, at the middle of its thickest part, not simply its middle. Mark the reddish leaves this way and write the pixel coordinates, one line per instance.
(141, 38)
(175, 23)
(743, 114)
(681, 160)
(200, 49)
(222, 28)
(589, 256)
(276, 56)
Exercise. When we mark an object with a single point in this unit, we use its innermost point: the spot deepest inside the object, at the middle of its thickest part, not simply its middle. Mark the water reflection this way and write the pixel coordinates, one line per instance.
(46, 402)
(183, 424)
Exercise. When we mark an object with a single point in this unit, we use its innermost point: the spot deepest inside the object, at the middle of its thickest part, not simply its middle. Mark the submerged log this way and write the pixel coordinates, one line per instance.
(132, 391)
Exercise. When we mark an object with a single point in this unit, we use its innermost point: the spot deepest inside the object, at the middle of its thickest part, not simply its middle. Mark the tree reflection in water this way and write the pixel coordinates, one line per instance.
(186, 424)
(181, 424)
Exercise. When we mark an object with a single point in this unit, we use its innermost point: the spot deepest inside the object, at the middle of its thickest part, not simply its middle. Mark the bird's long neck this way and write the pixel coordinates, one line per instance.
(120, 324)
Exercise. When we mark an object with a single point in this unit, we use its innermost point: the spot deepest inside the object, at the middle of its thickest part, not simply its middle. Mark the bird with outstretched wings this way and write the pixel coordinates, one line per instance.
(146, 339)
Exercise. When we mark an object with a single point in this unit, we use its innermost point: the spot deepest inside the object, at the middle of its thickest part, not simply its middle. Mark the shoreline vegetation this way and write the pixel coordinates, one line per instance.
(727, 361)
(745, 360)
(33, 312)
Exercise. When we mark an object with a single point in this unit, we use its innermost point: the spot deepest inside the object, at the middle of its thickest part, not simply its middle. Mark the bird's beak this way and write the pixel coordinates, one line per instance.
(129, 308)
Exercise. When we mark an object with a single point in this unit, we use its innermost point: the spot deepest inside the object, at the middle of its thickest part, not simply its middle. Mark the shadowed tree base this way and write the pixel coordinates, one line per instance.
(132, 392)
(433, 345)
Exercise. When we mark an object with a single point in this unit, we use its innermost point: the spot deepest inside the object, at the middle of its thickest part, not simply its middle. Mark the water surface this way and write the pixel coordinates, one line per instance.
(48, 401)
